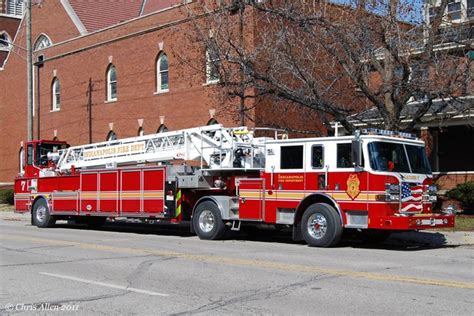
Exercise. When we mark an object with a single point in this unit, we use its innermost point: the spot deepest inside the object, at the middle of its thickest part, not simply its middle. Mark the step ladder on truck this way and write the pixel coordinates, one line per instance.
(218, 179)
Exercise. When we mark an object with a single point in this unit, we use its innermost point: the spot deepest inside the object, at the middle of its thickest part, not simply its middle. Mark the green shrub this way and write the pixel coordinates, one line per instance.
(6, 196)
(463, 193)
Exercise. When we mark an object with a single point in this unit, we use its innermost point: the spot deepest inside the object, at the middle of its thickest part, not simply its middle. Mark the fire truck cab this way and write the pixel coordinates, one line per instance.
(217, 179)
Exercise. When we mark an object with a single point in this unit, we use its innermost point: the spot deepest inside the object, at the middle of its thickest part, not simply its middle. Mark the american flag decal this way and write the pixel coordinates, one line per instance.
(411, 197)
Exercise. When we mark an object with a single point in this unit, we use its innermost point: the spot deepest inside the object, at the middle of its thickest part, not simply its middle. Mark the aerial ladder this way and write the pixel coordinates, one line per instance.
(212, 147)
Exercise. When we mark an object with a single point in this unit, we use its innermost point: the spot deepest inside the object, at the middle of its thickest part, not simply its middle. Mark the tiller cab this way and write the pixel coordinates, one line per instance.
(217, 179)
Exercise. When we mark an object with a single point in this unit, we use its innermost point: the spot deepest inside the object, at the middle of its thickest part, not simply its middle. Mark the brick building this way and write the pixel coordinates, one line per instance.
(103, 71)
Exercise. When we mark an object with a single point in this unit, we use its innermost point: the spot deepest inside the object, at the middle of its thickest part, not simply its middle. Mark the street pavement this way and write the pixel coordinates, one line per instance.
(145, 269)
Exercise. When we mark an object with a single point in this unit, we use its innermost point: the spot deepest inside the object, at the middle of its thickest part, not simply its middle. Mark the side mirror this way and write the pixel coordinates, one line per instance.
(356, 153)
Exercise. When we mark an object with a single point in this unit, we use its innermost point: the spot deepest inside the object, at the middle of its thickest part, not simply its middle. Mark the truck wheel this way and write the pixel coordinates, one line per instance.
(207, 221)
(321, 225)
(41, 216)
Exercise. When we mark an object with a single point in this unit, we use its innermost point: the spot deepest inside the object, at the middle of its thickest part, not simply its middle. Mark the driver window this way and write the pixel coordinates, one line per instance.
(29, 155)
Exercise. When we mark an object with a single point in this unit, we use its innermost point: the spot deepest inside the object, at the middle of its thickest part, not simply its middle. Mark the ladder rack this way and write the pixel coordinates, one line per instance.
(214, 146)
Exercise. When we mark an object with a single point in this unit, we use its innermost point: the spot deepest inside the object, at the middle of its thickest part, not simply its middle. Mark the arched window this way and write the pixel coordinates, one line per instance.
(42, 41)
(111, 136)
(212, 121)
(5, 41)
(162, 84)
(111, 83)
(56, 95)
(141, 131)
(162, 128)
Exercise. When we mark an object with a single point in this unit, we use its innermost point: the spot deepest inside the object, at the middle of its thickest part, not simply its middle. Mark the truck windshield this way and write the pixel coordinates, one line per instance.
(392, 157)
(43, 150)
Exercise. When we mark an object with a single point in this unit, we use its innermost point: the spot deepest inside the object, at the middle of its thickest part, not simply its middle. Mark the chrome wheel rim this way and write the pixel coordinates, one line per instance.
(41, 213)
(317, 226)
(206, 221)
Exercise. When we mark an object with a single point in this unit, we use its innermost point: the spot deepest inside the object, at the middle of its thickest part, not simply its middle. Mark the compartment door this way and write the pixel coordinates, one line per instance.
(251, 199)
(153, 192)
(89, 193)
(108, 195)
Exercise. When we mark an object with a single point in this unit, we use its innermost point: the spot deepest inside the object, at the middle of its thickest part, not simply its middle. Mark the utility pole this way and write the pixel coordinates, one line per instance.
(29, 73)
(89, 108)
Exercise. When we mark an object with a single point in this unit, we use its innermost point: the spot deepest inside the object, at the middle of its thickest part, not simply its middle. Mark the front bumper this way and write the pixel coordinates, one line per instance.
(412, 222)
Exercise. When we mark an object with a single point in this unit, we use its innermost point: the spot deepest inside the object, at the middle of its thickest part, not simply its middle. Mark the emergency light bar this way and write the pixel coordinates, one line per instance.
(383, 132)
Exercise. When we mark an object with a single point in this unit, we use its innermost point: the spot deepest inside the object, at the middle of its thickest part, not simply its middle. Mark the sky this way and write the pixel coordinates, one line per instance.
(414, 15)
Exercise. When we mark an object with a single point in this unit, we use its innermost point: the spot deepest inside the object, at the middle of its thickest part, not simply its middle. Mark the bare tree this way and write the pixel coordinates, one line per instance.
(334, 60)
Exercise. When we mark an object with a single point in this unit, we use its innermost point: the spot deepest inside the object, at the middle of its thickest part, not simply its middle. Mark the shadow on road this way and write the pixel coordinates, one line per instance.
(402, 241)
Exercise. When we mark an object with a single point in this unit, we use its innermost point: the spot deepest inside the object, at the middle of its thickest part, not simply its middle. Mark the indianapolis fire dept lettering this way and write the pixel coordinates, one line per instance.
(353, 183)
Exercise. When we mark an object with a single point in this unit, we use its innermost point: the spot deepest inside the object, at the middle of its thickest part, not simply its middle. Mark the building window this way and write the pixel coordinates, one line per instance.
(111, 136)
(291, 157)
(470, 8)
(5, 41)
(14, 7)
(141, 131)
(454, 10)
(162, 128)
(111, 83)
(162, 73)
(212, 121)
(212, 66)
(42, 42)
(56, 94)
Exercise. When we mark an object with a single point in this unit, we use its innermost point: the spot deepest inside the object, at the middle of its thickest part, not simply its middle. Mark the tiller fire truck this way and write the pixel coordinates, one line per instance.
(217, 179)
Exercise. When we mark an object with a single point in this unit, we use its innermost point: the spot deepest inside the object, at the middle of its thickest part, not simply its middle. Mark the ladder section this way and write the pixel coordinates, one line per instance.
(214, 146)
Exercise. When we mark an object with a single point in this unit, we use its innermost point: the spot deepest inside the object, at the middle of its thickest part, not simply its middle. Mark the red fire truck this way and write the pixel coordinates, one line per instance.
(217, 179)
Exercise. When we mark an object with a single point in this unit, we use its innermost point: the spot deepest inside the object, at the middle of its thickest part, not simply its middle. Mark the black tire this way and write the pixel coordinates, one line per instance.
(41, 216)
(321, 225)
(207, 221)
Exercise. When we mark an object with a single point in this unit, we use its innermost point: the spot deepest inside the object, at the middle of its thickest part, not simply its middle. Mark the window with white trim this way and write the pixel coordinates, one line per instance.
(111, 136)
(56, 95)
(42, 42)
(162, 128)
(111, 83)
(15, 7)
(212, 67)
(5, 41)
(454, 9)
(470, 8)
(162, 69)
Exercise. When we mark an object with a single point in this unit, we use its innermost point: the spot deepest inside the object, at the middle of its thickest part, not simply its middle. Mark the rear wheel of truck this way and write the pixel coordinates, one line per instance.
(321, 225)
(41, 216)
(207, 221)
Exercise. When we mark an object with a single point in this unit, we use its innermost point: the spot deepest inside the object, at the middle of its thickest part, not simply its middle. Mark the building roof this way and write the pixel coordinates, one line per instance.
(99, 14)
(96, 15)
(440, 110)
(150, 6)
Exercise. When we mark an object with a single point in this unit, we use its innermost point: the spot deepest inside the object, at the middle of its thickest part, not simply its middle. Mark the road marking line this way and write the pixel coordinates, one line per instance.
(113, 286)
(247, 262)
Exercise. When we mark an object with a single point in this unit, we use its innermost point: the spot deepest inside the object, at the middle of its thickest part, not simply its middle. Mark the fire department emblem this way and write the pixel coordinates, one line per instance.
(353, 186)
